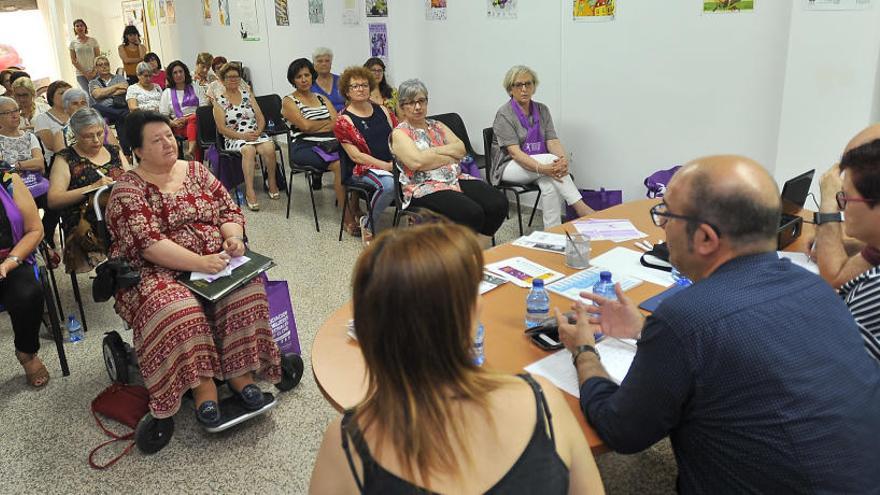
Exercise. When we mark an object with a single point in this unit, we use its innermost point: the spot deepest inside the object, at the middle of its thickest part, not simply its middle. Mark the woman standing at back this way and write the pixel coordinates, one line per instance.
(131, 52)
(432, 420)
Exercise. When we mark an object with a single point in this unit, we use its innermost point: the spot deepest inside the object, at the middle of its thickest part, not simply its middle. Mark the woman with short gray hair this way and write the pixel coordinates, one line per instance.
(73, 100)
(144, 94)
(78, 170)
(327, 83)
(428, 154)
(526, 149)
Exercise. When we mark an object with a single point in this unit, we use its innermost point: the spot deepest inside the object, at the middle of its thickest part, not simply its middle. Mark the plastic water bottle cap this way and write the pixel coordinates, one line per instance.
(537, 282)
(605, 276)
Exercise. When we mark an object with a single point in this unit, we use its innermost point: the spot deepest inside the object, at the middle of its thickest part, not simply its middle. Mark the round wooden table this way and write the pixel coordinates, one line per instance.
(339, 368)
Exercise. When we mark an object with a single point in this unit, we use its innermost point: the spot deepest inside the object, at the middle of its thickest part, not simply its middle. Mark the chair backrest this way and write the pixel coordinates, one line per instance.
(455, 124)
(206, 125)
(488, 137)
(271, 108)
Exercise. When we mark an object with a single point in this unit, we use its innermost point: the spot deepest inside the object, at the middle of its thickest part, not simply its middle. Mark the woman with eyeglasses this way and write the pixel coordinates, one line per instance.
(429, 154)
(145, 94)
(25, 95)
(21, 153)
(853, 188)
(383, 94)
(526, 149)
(78, 170)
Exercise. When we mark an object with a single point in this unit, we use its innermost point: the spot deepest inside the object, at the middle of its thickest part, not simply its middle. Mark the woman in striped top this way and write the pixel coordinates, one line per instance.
(854, 186)
(311, 118)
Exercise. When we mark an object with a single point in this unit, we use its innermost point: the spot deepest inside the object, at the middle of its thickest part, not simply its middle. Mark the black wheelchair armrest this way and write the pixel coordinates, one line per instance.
(113, 275)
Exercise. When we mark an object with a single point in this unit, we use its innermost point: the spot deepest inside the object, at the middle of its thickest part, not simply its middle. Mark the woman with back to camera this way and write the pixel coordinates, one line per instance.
(131, 52)
(170, 216)
(363, 129)
(433, 420)
(526, 149)
(429, 154)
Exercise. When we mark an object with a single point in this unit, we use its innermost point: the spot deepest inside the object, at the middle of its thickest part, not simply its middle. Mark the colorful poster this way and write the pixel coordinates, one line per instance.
(501, 9)
(593, 10)
(435, 10)
(170, 12)
(151, 12)
(379, 41)
(350, 14)
(727, 6)
(223, 12)
(316, 11)
(377, 8)
(281, 17)
(161, 11)
(206, 12)
(248, 25)
(837, 4)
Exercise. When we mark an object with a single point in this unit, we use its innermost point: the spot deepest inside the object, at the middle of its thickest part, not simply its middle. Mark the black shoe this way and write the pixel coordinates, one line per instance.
(208, 414)
(316, 183)
(251, 397)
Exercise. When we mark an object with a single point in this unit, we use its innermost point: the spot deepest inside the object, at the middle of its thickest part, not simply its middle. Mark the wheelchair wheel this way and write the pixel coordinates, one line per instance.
(291, 372)
(152, 435)
(115, 357)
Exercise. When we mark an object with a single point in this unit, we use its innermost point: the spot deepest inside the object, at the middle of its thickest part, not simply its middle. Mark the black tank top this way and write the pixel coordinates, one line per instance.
(539, 468)
(375, 130)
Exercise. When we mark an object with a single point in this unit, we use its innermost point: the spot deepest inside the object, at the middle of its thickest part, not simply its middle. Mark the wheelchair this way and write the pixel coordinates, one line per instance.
(153, 434)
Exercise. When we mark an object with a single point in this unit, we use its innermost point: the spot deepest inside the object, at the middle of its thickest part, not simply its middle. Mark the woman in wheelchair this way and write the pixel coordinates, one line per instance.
(20, 292)
(170, 216)
(78, 170)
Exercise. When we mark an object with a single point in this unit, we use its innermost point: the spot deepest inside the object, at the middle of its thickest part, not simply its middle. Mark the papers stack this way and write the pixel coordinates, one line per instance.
(490, 281)
(621, 261)
(521, 271)
(584, 280)
(210, 277)
(543, 241)
(602, 229)
(617, 357)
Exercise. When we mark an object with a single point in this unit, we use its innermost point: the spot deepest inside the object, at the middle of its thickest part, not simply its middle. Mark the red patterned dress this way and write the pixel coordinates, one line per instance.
(179, 338)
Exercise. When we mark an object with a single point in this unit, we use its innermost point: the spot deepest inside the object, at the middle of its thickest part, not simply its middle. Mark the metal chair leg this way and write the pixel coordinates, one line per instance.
(518, 214)
(342, 217)
(54, 325)
(312, 195)
(289, 192)
(78, 298)
(535, 208)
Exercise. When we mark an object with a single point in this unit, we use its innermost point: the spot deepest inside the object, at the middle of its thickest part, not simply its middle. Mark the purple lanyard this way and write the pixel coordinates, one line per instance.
(534, 143)
(189, 100)
(16, 221)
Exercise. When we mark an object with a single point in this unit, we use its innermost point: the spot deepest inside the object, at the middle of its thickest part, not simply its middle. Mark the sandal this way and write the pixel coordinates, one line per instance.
(37, 378)
(353, 230)
(274, 195)
(366, 234)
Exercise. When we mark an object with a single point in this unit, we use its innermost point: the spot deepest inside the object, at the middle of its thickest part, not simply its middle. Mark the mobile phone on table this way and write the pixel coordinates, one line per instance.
(549, 341)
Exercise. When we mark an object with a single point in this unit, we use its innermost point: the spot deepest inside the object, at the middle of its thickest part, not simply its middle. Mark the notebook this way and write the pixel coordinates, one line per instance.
(214, 291)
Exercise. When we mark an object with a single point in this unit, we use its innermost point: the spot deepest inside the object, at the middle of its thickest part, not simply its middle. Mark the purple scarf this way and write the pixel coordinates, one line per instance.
(16, 222)
(189, 100)
(534, 143)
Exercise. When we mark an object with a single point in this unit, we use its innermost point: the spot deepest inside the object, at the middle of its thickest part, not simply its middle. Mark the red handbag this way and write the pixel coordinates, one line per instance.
(126, 404)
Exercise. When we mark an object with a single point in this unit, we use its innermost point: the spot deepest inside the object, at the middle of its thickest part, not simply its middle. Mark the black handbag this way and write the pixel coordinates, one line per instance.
(657, 258)
(330, 146)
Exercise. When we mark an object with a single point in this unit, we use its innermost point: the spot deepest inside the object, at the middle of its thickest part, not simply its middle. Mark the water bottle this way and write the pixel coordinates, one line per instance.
(239, 196)
(74, 329)
(537, 304)
(605, 288)
(477, 350)
(679, 278)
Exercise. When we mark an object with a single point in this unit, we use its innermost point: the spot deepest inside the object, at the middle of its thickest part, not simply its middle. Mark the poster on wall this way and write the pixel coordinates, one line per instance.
(593, 10)
(161, 11)
(379, 41)
(316, 11)
(133, 15)
(435, 10)
(350, 14)
(728, 6)
(206, 12)
(377, 8)
(501, 9)
(246, 13)
(837, 4)
(281, 17)
(223, 12)
(170, 12)
(151, 12)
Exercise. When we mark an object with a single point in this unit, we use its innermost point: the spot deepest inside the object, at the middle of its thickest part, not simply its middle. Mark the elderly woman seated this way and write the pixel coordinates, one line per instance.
(363, 129)
(526, 149)
(78, 170)
(144, 94)
(429, 154)
(432, 420)
(170, 216)
(215, 86)
(73, 100)
(179, 102)
(31, 106)
(20, 292)
(240, 121)
(326, 83)
(49, 126)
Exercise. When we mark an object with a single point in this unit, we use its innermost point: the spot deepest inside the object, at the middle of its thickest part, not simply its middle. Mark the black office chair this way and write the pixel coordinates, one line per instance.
(361, 189)
(208, 136)
(516, 189)
(275, 126)
(311, 173)
(455, 124)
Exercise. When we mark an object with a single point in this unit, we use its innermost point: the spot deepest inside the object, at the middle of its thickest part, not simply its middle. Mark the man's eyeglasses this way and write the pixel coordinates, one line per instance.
(660, 215)
(843, 199)
(420, 102)
(526, 85)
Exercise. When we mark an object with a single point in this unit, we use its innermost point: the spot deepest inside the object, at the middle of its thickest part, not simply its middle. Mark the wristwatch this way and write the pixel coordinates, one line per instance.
(820, 218)
(581, 349)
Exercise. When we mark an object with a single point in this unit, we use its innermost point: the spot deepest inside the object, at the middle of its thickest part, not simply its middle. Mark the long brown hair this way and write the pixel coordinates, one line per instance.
(414, 293)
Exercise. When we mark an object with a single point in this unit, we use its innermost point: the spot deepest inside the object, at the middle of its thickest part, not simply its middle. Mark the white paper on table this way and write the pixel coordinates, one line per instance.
(490, 281)
(621, 260)
(210, 277)
(584, 280)
(603, 229)
(543, 241)
(521, 271)
(801, 260)
(558, 369)
(617, 356)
